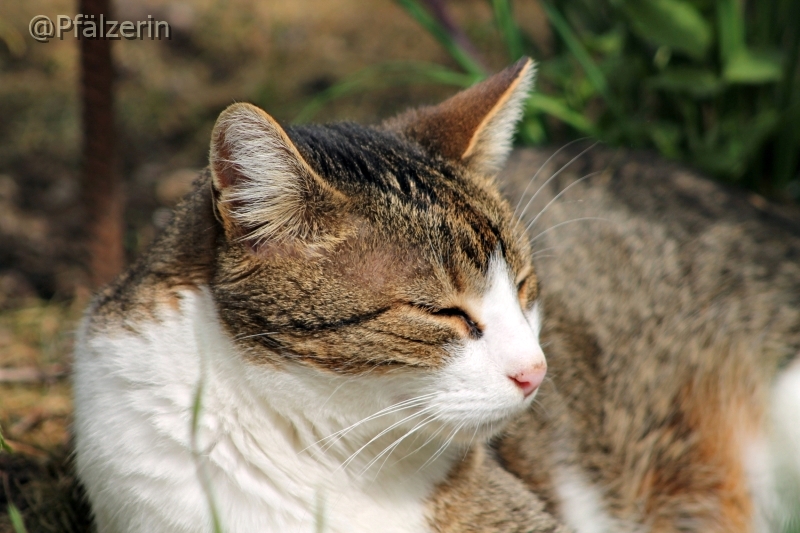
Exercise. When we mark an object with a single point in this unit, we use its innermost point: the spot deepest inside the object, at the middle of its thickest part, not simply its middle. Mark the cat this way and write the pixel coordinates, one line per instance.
(335, 321)
(324, 291)
(672, 331)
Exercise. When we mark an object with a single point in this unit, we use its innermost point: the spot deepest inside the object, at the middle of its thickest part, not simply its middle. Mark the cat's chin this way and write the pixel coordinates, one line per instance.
(483, 429)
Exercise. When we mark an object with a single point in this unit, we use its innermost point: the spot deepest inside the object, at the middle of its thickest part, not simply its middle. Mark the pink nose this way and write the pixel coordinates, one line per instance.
(529, 380)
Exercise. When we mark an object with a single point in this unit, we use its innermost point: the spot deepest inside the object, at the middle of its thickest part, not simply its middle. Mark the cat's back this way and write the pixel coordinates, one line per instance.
(629, 223)
(673, 323)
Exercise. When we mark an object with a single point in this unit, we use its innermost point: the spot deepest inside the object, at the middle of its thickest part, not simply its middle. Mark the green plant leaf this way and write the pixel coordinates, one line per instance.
(532, 131)
(609, 43)
(735, 116)
(560, 110)
(673, 23)
(575, 46)
(760, 128)
(427, 21)
(727, 149)
(730, 23)
(4, 447)
(787, 149)
(666, 136)
(383, 75)
(699, 83)
(751, 67)
(504, 19)
(16, 519)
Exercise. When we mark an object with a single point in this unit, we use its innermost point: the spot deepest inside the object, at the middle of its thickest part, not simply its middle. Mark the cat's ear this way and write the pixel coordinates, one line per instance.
(476, 126)
(266, 193)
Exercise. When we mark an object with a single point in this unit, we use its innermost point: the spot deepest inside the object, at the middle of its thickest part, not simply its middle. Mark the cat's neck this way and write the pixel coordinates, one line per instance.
(337, 438)
(357, 426)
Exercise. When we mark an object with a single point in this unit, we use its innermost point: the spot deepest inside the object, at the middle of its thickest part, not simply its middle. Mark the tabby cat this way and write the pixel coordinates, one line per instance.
(339, 319)
(336, 320)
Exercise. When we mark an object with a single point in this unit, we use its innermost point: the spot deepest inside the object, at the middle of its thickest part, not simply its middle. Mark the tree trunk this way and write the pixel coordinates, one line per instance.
(101, 186)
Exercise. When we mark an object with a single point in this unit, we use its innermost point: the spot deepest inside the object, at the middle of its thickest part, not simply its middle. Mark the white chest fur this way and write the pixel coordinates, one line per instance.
(252, 448)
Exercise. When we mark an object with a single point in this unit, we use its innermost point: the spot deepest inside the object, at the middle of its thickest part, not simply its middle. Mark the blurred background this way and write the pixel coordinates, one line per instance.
(712, 83)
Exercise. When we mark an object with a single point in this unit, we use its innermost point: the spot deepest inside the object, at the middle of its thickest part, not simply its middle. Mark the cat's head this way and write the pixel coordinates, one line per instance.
(383, 252)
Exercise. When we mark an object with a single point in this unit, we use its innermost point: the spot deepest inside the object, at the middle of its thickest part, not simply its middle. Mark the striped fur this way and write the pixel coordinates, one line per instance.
(354, 311)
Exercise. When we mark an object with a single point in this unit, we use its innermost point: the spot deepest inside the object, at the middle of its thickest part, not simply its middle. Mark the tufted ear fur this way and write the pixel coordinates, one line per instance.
(266, 192)
(476, 126)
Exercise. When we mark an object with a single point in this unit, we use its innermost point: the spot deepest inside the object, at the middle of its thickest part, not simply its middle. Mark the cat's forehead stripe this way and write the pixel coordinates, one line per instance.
(379, 166)
(354, 157)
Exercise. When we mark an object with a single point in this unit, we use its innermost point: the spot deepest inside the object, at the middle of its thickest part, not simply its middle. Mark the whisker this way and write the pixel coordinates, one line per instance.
(396, 443)
(554, 176)
(543, 250)
(427, 441)
(399, 406)
(472, 438)
(567, 222)
(264, 334)
(443, 447)
(550, 380)
(522, 196)
(345, 382)
(381, 434)
(342, 433)
(538, 406)
(557, 196)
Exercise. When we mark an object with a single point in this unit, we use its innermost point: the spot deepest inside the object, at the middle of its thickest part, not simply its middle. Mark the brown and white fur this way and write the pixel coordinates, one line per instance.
(336, 320)
(672, 331)
(328, 331)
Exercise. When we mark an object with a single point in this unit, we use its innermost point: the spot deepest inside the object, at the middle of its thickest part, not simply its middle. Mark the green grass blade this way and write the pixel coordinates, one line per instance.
(741, 65)
(13, 513)
(532, 130)
(16, 519)
(730, 25)
(4, 447)
(432, 26)
(504, 18)
(676, 24)
(574, 45)
(791, 80)
(696, 82)
(197, 408)
(383, 75)
(787, 150)
(559, 109)
(750, 67)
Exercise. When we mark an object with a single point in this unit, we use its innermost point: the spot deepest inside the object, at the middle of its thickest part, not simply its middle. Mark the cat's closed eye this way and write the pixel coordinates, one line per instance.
(469, 325)
(475, 331)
